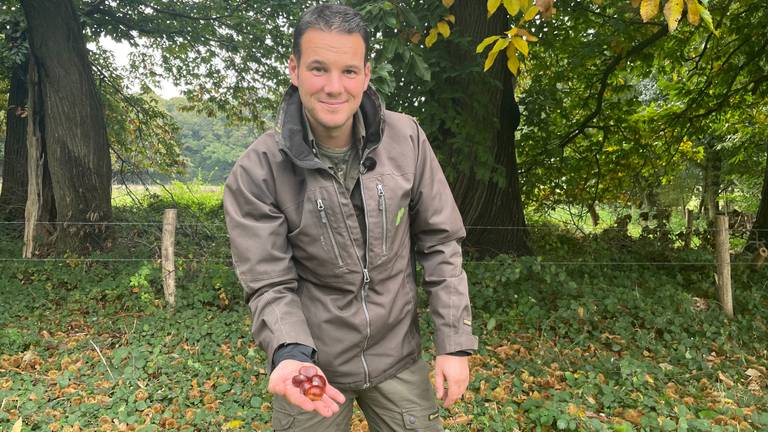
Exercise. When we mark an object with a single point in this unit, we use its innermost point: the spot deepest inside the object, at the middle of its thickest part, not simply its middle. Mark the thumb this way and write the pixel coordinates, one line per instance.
(439, 380)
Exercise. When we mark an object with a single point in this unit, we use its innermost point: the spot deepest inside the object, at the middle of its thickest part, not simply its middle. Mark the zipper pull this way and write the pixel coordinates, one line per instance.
(380, 193)
(321, 209)
(366, 276)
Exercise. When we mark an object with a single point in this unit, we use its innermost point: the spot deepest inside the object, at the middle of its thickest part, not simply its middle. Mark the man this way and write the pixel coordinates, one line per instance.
(323, 214)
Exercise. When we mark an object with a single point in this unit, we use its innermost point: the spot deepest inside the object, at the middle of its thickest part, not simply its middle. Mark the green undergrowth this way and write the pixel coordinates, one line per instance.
(601, 332)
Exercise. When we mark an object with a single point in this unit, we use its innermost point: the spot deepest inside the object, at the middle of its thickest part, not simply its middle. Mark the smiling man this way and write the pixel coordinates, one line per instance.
(327, 215)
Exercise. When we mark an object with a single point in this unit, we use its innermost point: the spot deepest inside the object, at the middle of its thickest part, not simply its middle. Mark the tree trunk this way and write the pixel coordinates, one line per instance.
(494, 212)
(74, 148)
(594, 215)
(760, 227)
(14, 190)
(711, 191)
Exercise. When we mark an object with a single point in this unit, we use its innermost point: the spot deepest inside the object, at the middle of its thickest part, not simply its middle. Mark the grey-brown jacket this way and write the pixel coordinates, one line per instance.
(311, 276)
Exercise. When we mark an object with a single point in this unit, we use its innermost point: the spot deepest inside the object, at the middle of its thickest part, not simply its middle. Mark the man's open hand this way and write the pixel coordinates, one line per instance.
(280, 384)
(453, 371)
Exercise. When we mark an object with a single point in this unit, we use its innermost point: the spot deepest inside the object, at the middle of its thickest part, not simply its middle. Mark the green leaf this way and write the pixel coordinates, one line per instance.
(390, 20)
(422, 70)
(491, 324)
(707, 18)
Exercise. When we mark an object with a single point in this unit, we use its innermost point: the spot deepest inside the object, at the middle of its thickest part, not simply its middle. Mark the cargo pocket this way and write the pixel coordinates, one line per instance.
(422, 420)
(282, 421)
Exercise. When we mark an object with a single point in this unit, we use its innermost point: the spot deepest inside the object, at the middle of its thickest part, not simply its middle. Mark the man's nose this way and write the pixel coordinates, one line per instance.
(333, 84)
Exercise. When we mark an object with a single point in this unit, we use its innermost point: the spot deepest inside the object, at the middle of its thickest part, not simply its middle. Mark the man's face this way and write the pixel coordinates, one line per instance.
(331, 76)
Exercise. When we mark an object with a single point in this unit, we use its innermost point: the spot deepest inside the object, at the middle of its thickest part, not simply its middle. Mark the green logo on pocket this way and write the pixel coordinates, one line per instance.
(399, 217)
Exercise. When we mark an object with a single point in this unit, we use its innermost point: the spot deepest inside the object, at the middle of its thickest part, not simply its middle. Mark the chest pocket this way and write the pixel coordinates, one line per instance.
(317, 241)
(388, 215)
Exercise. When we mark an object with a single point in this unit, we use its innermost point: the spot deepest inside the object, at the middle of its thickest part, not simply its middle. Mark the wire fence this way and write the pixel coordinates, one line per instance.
(196, 239)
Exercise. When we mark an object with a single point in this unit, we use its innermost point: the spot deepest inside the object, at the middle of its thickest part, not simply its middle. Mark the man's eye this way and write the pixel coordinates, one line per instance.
(316, 69)
(350, 73)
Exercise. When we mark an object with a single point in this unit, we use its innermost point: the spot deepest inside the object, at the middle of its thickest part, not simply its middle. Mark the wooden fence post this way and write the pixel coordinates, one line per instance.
(760, 256)
(168, 265)
(723, 255)
(688, 227)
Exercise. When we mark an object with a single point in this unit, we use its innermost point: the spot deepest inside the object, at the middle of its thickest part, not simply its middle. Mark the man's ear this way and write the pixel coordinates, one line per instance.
(367, 74)
(293, 70)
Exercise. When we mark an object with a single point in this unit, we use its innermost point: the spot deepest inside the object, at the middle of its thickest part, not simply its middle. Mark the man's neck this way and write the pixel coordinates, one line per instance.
(337, 139)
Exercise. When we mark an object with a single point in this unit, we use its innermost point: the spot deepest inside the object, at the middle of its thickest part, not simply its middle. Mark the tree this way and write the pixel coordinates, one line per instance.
(13, 60)
(67, 132)
(224, 55)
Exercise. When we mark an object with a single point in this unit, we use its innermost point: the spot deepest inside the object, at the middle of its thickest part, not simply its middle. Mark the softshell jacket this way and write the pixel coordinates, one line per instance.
(312, 276)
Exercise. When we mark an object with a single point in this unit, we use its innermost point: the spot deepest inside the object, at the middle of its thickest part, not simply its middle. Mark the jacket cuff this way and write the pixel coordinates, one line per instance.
(447, 344)
(293, 351)
(462, 353)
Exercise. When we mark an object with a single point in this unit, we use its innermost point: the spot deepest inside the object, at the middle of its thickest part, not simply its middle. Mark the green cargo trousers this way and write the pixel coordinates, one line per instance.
(405, 402)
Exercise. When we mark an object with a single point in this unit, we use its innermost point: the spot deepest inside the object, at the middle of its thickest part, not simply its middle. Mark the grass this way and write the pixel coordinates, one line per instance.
(619, 341)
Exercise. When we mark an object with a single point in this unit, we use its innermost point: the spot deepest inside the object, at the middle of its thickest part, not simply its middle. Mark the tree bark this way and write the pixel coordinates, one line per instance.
(494, 212)
(711, 191)
(760, 226)
(14, 190)
(75, 150)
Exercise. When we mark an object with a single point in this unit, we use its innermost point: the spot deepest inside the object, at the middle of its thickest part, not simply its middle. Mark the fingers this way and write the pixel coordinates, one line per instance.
(456, 388)
(334, 394)
(439, 383)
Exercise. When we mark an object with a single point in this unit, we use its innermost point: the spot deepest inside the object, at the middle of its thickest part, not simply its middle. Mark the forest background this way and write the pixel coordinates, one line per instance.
(579, 137)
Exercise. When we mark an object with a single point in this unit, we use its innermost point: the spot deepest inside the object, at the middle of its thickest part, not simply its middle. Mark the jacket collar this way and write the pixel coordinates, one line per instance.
(293, 140)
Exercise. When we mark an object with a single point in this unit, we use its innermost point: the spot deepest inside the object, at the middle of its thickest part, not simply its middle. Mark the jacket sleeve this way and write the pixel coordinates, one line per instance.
(262, 256)
(437, 231)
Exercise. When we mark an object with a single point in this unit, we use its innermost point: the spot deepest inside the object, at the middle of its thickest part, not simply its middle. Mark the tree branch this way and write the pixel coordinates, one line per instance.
(612, 66)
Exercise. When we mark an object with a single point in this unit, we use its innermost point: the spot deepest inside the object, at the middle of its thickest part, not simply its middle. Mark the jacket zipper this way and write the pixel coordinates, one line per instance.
(383, 210)
(366, 282)
(324, 220)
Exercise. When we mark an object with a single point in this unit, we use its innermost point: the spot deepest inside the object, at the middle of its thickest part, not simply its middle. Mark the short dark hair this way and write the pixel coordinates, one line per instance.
(330, 18)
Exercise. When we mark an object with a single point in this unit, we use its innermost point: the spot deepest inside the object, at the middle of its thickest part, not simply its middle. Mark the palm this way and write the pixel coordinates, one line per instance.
(280, 383)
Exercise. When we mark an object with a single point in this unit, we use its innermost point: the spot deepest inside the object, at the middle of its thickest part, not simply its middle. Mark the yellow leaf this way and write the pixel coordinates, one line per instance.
(530, 13)
(487, 41)
(500, 45)
(529, 37)
(649, 9)
(448, 3)
(521, 45)
(492, 6)
(512, 6)
(17, 426)
(431, 38)
(443, 29)
(513, 64)
(233, 424)
(512, 31)
(673, 12)
(490, 59)
(450, 18)
(693, 12)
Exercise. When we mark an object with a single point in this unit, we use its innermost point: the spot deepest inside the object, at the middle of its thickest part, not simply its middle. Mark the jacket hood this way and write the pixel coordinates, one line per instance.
(290, 131)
